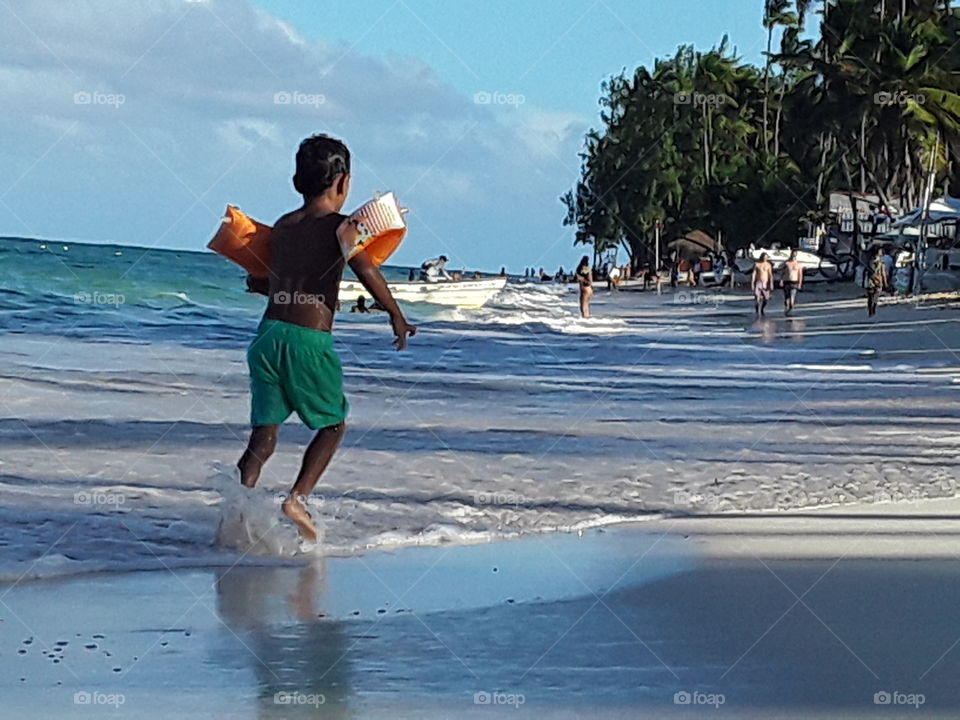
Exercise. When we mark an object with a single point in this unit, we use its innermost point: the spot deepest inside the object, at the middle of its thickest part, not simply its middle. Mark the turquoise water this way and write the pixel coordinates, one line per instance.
(127, 293)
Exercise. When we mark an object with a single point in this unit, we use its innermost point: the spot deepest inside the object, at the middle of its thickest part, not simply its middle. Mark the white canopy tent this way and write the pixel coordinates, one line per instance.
(942, 209)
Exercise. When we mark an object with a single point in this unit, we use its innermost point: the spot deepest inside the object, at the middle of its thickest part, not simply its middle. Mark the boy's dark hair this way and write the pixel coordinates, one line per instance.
(320, 159)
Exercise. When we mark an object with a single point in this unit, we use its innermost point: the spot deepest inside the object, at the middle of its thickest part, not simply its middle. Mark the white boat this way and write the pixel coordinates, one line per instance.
(462, 293)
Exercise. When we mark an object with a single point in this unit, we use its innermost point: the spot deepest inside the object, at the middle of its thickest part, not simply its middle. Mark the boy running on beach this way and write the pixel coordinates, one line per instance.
(792, 283)
(293, 366)
(762, 283)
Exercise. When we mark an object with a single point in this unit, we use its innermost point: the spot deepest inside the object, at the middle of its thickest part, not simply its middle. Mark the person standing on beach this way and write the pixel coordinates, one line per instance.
(792, 282)
(293, 365)
(889, 264)
(585, 280)
(762, 283)
(876, 281)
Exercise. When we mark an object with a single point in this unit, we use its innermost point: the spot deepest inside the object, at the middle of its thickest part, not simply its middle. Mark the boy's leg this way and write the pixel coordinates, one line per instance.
(263, 441)
(315, 460)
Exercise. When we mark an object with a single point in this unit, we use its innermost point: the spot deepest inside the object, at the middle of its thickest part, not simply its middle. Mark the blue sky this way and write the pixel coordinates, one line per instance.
(137, 121)
(554, 52)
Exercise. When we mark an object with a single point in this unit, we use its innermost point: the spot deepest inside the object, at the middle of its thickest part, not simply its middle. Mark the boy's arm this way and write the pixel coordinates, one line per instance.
(372, 279)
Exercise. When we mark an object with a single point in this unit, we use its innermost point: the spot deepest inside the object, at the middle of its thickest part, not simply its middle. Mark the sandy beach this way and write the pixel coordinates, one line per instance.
(329, 387)
(827, 614)
(672, 508)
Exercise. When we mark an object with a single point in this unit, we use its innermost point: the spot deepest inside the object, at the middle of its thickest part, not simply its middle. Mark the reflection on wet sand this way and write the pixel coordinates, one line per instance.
(300, 662)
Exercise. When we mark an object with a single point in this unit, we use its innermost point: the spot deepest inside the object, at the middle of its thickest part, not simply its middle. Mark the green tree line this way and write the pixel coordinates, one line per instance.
(861, 95)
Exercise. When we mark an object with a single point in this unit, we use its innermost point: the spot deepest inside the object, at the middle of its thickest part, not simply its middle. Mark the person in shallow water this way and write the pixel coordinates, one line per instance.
(293, 366)
(585, 280)
(792, 282)
(762, 282)
(876, 281)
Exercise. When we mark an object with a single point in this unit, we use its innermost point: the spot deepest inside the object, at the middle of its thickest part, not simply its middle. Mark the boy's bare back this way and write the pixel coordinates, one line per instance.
(306, 266)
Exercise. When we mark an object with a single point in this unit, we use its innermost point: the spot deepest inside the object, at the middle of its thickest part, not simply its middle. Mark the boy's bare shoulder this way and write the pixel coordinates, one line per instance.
(291, 218)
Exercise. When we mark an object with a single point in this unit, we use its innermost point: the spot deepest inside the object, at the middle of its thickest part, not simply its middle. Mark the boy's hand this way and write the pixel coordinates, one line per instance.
(401, 329)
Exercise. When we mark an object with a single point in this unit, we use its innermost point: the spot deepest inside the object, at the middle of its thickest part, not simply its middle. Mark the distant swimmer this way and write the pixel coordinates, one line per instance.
(585, 280)
(792, 282)
(433, 270)
(361, 306)
(762, 283)
(292, 361)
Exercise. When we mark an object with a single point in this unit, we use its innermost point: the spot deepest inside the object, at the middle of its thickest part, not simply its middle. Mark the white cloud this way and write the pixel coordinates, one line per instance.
(185, 99)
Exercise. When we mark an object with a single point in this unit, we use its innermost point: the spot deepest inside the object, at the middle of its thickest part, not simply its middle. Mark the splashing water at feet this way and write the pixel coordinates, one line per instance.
(251, 520)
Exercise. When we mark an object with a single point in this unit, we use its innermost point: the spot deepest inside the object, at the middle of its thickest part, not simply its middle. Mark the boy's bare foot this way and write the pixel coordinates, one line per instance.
(294, 509)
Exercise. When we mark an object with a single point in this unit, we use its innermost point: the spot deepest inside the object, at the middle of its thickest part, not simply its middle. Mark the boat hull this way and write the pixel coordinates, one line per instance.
(465, 294)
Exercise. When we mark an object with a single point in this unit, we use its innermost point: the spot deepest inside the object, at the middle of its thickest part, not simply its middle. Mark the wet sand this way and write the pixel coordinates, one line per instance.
(807, 614)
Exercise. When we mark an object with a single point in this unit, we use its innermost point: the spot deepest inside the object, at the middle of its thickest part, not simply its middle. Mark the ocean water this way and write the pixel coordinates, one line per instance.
(124, 404)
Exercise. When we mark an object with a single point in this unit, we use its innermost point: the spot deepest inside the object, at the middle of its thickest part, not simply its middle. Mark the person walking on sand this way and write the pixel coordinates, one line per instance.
(762, 283)
(585, 280)
(876, 281)
(293, 365)
(792, 282)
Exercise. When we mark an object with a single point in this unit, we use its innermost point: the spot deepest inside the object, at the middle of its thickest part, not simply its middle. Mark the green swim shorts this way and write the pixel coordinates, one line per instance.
(295, 369)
